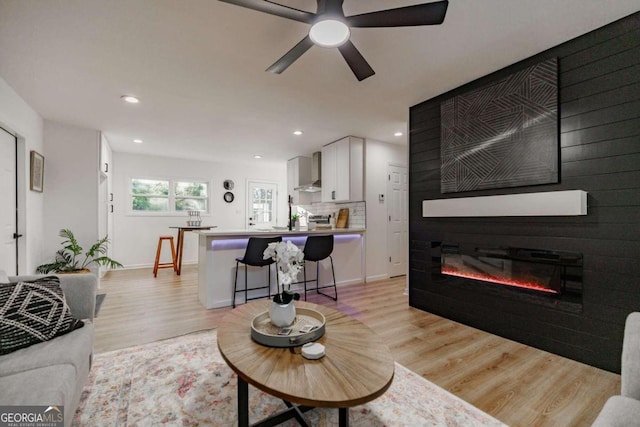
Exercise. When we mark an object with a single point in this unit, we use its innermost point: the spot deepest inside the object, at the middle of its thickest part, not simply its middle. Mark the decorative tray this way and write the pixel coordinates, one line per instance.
(263, 332)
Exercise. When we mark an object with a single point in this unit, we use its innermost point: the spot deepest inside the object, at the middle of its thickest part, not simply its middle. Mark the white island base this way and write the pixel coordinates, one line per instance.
(218, 250)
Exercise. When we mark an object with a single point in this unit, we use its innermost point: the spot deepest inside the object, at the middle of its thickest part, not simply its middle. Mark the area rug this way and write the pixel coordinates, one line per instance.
(184, 381)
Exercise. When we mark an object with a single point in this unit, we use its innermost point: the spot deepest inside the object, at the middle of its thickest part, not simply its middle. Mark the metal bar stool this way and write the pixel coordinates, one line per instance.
(317, 248)
(253, 256)
(158, 264)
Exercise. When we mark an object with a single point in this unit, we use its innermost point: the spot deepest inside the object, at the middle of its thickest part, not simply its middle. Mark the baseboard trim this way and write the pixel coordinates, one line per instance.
(377, 277)
(139, 266)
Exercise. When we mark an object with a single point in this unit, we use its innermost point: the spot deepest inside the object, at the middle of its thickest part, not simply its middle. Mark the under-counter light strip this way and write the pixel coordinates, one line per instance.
(551, 203)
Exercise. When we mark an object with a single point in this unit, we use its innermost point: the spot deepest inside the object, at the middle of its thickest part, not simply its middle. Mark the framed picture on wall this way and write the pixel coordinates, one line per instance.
(37, 172)
(504, 134)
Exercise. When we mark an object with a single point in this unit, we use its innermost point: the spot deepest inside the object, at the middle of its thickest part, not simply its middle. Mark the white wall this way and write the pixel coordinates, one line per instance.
(71, 185)
(378, 156)
(135, 236)
(19, 118)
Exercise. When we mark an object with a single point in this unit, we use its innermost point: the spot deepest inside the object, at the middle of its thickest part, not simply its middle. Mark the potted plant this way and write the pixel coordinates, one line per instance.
(289, 259)
(70, 259)
(295, 222)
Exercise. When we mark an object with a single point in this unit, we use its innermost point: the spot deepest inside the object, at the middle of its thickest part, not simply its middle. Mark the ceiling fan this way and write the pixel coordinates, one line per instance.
(330, 28)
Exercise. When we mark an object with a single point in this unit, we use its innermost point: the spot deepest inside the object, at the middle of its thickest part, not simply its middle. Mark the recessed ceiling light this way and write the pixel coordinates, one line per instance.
(329, 33)
(137, 141)
(398, 134)
(297, 132)
(257, 156)
(130, 99)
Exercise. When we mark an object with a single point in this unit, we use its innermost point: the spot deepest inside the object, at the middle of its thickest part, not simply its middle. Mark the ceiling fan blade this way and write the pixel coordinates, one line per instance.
(419, 14)
(356, 61)
(276, 9)
(331, 7)
(290, 57)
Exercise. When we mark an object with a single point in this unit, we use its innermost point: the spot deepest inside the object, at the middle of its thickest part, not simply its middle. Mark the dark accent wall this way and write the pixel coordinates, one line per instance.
(599, 85)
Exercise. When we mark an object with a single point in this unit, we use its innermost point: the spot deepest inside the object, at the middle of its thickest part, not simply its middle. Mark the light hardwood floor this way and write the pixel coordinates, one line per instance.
(518, 384)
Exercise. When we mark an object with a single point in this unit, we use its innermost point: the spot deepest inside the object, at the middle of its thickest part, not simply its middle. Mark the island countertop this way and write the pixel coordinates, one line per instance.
(219, 249)
(236, 233)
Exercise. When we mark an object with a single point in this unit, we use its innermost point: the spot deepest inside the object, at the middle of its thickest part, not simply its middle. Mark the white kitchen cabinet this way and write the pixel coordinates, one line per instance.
(328, 172)
(343, 170)
(298, 173)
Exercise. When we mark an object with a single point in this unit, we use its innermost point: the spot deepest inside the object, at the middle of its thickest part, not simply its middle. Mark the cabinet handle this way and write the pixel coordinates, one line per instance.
(111, 208)
(333, 195)
(106, 168)
(111, 197)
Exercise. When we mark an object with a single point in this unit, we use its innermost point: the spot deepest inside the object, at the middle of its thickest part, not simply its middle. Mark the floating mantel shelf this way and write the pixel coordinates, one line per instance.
(550, 203)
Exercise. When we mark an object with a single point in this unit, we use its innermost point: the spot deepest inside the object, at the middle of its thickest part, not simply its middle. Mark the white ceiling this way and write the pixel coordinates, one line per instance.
(198, 68)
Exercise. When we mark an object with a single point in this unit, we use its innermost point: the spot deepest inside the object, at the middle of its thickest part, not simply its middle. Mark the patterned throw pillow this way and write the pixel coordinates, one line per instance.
(32, 312)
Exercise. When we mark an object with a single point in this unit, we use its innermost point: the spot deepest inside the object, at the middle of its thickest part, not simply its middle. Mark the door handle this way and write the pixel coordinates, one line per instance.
(16, 235)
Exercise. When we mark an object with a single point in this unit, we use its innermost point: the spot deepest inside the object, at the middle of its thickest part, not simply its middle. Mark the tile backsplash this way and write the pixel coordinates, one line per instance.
(357, 212)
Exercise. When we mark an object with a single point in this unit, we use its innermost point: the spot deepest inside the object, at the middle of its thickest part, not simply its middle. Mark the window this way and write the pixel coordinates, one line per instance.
(190, 196)
(157, 195)
(149, 195)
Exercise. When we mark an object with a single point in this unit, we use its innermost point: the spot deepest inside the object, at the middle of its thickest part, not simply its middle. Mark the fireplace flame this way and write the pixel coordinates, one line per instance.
(501, 281)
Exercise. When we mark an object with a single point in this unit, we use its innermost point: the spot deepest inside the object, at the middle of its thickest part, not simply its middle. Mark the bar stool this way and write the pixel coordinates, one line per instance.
(317, 248)
(158, 264)
(254, 256)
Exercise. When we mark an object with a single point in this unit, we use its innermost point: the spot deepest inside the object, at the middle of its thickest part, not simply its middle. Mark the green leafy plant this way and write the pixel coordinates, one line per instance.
(71, 257)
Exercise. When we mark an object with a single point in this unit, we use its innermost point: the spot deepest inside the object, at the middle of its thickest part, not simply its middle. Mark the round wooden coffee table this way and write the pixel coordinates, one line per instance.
(357, 367)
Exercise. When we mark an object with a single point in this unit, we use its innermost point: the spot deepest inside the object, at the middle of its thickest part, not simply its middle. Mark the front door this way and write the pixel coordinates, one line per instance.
(397, 208)
(262, 204)
(8, 209)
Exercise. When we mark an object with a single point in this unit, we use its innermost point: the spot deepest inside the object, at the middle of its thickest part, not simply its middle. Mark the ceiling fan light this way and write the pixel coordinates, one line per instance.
(329, 33)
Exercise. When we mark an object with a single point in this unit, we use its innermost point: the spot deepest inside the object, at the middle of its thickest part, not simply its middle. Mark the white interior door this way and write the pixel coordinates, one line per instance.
(397, 209)
(8, 209)
(262, 207)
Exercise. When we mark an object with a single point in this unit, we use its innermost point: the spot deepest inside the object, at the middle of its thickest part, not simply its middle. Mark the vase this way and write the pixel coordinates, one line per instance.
(282, 315)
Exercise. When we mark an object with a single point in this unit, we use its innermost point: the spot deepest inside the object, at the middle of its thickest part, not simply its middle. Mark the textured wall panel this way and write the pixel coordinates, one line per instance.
(599, 95)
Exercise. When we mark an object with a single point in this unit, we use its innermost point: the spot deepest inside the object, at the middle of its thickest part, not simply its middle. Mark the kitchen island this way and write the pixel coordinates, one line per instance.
(218, 250)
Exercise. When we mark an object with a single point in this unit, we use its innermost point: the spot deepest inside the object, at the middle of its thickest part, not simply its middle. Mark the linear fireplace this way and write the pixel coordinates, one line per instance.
(530, 270)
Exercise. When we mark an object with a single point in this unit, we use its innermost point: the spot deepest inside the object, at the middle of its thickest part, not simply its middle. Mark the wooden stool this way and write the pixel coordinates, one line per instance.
(172, 264)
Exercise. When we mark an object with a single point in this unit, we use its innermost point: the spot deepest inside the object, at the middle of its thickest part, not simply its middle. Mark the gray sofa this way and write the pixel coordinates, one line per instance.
(624, 410)
(54, 372)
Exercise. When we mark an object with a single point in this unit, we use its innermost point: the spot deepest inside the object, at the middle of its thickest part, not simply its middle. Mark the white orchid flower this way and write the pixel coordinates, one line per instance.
(289, 259)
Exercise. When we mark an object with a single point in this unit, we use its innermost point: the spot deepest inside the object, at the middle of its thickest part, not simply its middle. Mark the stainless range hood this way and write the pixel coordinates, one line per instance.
(316, 175)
